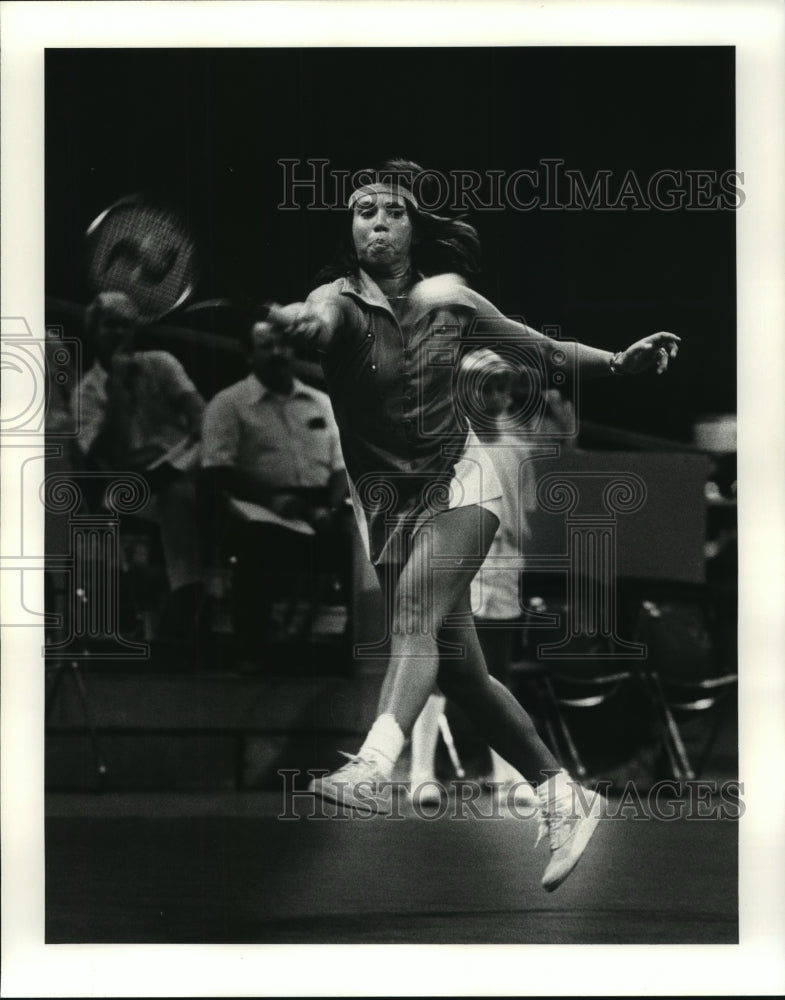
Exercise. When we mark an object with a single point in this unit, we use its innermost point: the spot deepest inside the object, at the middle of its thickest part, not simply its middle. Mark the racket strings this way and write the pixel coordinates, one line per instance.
(144, 252)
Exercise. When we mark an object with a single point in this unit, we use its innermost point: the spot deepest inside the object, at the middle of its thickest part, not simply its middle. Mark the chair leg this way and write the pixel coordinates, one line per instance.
(721, 710)
(95, 743)
(449, 742)
(662, 722)
(676, 748)
(100, 763)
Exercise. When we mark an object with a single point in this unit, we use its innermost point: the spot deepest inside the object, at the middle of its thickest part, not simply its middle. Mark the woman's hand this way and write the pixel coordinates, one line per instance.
(651, 352)
(311, 323)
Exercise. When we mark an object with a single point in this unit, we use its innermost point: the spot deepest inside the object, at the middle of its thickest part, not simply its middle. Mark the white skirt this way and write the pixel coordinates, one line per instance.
(474, 483)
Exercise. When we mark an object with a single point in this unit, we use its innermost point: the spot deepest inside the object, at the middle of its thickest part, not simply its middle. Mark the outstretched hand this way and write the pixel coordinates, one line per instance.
(305, 322)
(651, 352)
(295, 320)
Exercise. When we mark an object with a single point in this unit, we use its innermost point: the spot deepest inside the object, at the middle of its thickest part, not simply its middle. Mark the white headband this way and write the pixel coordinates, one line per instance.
(394, 190)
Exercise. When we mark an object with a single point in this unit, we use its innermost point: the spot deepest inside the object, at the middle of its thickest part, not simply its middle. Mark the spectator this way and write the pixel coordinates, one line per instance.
(271, 449)
(140, 412)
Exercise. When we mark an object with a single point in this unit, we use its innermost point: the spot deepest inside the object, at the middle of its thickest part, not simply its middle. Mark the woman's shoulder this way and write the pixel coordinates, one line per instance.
(327, 291)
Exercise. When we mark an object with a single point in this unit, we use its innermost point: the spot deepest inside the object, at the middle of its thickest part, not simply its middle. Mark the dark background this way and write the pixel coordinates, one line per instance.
(205, 128)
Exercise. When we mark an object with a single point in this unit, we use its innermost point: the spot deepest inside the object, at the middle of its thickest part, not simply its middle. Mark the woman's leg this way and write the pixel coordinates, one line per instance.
(423, 596)
(498, 715)
(497, 640)
(420, 598)
(569, 820)
(425, 736)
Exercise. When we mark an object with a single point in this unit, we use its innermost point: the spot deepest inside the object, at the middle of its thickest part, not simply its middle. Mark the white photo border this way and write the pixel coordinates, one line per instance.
(756, 965)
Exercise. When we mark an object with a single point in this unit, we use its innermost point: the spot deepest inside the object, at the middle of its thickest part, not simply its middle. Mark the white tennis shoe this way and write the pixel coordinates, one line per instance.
(361, 784)
(569, 815)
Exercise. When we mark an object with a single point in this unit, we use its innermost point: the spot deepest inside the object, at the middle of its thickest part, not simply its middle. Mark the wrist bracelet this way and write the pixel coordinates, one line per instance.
(615, 363)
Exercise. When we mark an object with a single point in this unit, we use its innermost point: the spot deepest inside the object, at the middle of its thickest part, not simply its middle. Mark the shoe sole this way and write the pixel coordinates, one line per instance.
(584, 835)
(420, 800)
(369, 806)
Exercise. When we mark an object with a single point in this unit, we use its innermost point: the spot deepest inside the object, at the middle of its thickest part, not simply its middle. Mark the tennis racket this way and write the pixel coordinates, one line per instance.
(143, 249)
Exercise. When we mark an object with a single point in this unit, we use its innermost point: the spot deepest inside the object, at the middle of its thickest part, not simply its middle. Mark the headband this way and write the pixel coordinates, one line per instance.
(395, 190)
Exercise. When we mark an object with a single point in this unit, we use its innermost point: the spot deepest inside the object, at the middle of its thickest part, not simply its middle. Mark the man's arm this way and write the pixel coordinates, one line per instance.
(174, 380)
(193, 408)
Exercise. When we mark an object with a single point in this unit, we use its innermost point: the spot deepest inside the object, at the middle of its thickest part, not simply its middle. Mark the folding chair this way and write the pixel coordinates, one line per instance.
(568, 684)
(681, 679)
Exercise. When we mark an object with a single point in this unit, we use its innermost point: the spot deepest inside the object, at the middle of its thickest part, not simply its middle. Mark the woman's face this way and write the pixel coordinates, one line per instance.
(382, 234)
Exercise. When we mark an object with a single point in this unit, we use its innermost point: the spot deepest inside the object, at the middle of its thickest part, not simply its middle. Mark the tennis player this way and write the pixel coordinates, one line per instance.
(393, 329)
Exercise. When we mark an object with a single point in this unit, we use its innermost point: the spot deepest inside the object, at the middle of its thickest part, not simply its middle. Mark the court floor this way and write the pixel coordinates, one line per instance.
(225, 868)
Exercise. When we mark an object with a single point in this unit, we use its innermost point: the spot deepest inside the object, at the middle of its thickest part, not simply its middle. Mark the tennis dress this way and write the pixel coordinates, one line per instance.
(406, 438)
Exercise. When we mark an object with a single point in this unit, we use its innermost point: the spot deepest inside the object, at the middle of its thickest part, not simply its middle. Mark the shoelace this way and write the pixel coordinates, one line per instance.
(555, 825)
(353, 758)
(356, 758)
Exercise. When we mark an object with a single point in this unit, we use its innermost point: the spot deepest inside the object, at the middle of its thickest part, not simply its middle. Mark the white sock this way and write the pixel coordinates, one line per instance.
(425, 736)
(384, 742)
(502, 771)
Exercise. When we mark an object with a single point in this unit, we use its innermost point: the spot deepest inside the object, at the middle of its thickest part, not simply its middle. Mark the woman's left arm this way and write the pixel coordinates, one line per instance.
(654, 351)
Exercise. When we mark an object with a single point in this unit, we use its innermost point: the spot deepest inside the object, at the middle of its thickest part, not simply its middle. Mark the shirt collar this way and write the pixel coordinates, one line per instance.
(365, 288)
(257, 391)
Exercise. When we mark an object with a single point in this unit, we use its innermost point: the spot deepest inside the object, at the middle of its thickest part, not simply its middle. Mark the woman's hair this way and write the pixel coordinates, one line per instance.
(441, 245)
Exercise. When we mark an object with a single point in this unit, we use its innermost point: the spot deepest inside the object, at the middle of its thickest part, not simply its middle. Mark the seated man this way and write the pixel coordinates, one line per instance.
(271, 448)
(140, 412)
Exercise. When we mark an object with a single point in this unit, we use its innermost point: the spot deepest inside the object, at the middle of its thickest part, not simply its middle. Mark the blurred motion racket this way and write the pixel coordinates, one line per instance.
(145, 250)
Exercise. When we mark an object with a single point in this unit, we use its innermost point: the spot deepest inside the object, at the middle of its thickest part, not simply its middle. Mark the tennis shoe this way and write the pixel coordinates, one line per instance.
(568, 820)
(360, 784)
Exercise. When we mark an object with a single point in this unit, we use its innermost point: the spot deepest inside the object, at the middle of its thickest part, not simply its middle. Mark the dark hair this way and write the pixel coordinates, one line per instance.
(442, 245)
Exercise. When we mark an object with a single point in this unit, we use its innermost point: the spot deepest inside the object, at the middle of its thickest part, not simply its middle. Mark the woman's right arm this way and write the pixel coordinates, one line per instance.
(315, 322)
